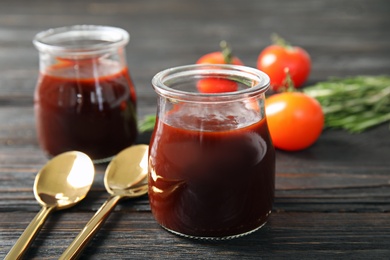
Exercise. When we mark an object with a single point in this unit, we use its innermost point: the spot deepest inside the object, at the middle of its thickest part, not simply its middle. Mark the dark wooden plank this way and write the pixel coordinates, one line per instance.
(313, 185)
(290, 235)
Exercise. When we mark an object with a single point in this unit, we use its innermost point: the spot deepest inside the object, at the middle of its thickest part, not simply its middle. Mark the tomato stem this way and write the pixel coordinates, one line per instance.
(226, 52)
(288, 82)
(276, 39)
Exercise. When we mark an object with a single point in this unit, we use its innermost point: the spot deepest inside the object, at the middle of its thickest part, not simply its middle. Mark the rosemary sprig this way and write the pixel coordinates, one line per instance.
(355, 103)
(147, 123)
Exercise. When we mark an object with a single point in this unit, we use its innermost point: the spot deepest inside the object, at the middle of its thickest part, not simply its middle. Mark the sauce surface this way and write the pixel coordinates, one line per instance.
(88, 106)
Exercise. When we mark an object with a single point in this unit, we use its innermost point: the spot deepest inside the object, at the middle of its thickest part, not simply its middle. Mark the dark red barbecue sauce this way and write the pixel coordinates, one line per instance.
(213, 183)
(91, 109)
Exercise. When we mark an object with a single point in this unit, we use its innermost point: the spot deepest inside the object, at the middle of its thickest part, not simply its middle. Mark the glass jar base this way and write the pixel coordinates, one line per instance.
(214, 238)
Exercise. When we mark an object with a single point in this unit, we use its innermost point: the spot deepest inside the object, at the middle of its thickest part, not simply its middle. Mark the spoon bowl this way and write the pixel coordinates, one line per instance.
(125, 177)
(61, 183)
(64, 180)
(126, 170)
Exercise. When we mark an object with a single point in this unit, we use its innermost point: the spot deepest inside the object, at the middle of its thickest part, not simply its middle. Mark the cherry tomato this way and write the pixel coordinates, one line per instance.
(216, 85)
(225, 56)
(218, 58)
(274, 60)
(295, 120)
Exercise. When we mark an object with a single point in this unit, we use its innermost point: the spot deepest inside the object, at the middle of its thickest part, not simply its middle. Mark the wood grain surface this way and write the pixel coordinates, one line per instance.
(332, 200)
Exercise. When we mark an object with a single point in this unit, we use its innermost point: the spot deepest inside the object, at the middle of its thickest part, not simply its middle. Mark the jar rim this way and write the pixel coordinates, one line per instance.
(80, 39)
(259, 82)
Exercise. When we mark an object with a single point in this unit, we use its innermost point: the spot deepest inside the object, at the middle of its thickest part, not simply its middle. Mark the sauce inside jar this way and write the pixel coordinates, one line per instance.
(213, 182)
(85, 105)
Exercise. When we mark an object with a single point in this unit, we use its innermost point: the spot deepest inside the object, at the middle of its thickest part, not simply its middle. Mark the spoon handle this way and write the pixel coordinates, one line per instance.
(24, 241)
(90, 229)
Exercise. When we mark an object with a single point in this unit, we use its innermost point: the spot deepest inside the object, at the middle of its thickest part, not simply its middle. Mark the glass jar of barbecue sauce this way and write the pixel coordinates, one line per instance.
(211, 159)
(85, 99)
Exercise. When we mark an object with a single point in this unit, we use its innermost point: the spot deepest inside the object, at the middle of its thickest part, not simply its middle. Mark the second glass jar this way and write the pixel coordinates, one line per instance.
(84, 99)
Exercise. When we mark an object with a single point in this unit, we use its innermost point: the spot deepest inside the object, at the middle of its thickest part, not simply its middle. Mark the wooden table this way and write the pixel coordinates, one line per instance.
(332, 200)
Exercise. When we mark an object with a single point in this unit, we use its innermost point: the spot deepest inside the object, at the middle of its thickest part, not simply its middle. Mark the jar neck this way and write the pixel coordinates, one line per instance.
(183, 104)
(80, 40)
(81, 46)
(183, 83)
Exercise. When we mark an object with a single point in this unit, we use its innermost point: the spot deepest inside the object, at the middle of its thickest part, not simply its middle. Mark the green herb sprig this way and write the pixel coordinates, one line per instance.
(355, 103)
(147, 123)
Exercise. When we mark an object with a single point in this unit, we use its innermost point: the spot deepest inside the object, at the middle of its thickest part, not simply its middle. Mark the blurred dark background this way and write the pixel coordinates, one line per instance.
(344, 37)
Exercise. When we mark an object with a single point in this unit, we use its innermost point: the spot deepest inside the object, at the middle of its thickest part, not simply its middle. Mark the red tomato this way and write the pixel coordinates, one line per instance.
(225, 56)
(218, 58)
(274, 60)
(295, 120)
(216, 85)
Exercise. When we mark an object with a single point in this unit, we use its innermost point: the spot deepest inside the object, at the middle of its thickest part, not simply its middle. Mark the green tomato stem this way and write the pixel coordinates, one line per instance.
(277, 40)
(226, 52)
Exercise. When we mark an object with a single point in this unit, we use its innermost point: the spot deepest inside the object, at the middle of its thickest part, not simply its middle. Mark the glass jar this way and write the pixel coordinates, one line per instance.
(211, 159)
(85, 98)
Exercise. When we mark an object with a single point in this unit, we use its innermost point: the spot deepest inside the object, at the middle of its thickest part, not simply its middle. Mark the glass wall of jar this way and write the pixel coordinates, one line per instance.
(85, 99)
(211, 159)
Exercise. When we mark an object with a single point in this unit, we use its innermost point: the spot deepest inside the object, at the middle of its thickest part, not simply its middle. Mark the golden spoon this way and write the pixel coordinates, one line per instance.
(61, 183)
(125, 177)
